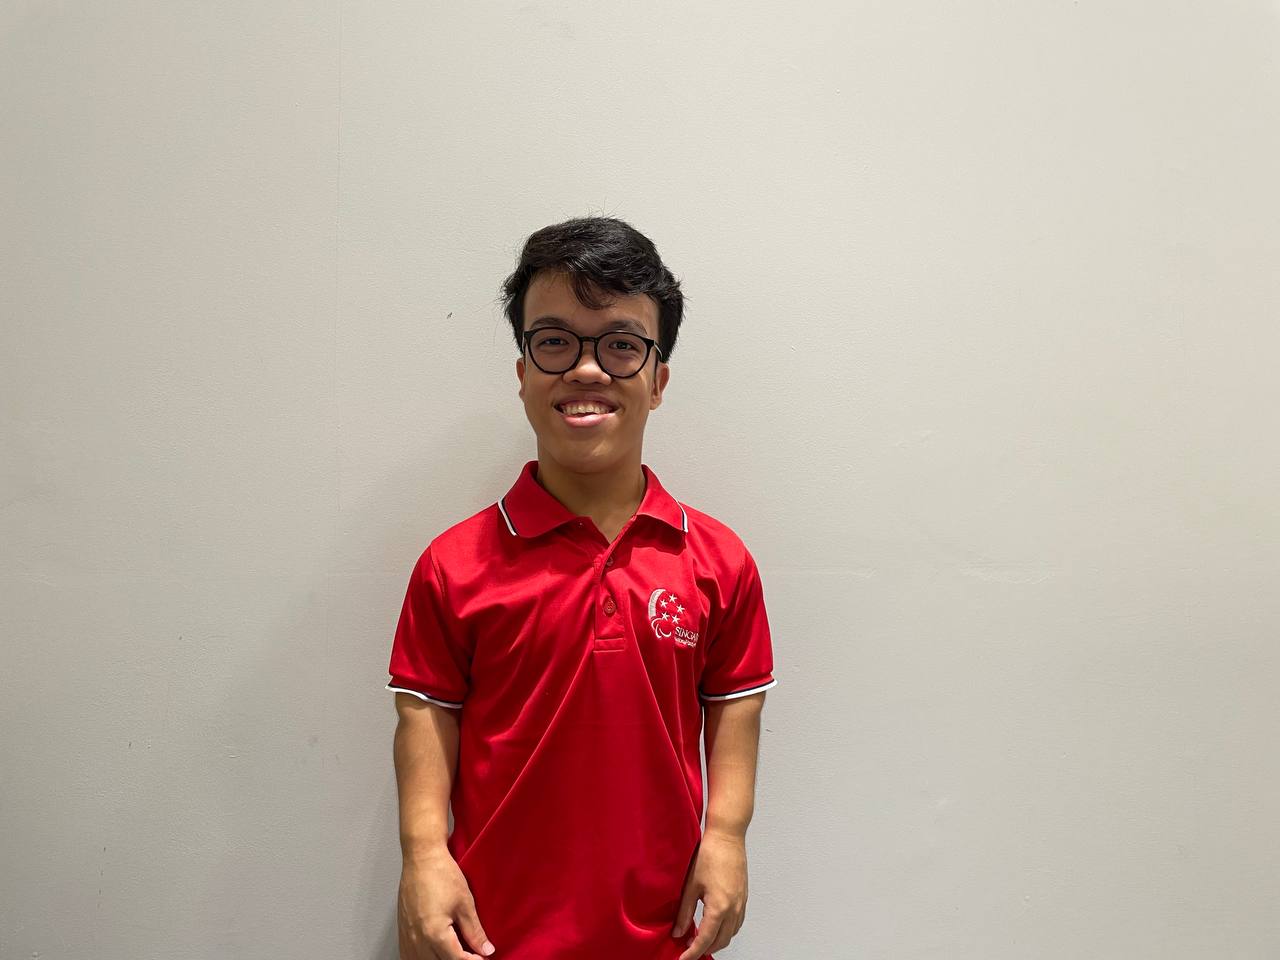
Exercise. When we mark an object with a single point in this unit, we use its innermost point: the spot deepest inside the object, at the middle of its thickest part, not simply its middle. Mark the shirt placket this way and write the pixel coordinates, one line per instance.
(610, 616)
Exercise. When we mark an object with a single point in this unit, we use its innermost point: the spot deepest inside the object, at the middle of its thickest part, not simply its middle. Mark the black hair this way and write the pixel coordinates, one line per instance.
(600, 255)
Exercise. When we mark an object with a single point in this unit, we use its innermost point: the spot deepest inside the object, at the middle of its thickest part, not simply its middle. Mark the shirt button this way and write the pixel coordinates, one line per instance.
(608, 562)
(609, 606)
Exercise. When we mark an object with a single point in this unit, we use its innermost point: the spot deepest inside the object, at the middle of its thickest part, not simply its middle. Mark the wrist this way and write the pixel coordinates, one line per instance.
(726, 831)
(423, 851)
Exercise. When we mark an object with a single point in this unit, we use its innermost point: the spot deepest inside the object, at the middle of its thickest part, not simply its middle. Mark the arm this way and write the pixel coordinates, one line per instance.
(426, 758)
(732, 740)
(436, 911)
(719, 874)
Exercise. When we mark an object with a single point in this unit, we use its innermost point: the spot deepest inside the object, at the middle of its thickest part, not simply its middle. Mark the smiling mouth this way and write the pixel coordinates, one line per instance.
(584, 419)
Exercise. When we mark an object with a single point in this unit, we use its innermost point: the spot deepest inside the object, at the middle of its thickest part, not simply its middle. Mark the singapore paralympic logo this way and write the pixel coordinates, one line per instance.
(667, 616)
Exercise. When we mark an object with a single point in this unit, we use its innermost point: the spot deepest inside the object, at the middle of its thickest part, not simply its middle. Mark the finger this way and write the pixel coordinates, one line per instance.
(469, 924)
(706, 933)
(684, 916)
(452, 948)
(734, 923)
(688, 950)
(727, 931)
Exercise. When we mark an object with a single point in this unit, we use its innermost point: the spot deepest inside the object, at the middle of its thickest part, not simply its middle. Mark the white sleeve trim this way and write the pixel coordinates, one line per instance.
(759, 688)
(451, 704)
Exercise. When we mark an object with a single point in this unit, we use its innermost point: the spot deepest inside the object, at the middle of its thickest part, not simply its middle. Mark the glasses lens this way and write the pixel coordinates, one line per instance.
(620, 354)
(553, 350)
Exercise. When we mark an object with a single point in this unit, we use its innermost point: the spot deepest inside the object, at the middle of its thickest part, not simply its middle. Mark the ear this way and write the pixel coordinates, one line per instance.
(659, 384)
(520, 376)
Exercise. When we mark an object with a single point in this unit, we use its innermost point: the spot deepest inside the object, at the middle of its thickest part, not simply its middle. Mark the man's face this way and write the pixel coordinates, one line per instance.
(593, 443)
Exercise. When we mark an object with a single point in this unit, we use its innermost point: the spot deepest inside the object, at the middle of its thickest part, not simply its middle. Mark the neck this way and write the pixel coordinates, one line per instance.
(609, 496)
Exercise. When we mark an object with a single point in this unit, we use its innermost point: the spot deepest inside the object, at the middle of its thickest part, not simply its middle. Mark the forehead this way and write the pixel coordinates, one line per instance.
(550, 300)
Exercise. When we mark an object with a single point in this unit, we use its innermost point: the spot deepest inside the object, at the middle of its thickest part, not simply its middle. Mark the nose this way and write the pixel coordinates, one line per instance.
(588, 366)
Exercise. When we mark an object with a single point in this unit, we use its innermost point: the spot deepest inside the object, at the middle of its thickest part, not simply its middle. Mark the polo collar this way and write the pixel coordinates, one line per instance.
(529, 510)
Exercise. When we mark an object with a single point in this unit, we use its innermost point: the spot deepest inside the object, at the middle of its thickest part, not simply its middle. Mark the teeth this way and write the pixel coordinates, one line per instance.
(574, 408)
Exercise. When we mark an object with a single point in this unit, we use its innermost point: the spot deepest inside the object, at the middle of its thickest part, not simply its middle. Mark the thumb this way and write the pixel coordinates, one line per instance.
(684, 916)
(472, 930)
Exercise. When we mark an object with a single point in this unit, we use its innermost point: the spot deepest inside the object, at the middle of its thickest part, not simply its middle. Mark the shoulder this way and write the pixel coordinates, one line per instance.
(716, 543)
(459, 546)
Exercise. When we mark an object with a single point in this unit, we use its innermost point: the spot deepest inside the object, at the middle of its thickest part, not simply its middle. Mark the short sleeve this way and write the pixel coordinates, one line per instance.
(430, 655)
(740, 655)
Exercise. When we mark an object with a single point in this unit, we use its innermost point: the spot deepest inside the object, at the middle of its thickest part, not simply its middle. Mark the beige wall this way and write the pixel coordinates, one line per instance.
(979, 360)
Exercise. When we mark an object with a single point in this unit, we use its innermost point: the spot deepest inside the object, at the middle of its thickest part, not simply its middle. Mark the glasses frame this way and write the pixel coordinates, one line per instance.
(651, 346)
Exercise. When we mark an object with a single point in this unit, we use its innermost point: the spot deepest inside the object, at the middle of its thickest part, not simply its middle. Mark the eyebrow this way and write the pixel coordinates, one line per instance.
(621, 323)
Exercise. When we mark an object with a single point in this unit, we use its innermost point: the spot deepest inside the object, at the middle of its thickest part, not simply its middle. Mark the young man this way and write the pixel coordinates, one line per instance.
(556, 651)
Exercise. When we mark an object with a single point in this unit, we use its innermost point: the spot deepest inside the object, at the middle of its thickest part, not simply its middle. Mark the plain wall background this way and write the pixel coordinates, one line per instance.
(978, 360)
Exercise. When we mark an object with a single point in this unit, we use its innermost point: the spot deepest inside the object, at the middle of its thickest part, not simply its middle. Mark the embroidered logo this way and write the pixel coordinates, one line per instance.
(667, 617)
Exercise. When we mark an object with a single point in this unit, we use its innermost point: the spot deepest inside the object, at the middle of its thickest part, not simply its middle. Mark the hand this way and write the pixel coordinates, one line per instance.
(435, 902)
(719, 878)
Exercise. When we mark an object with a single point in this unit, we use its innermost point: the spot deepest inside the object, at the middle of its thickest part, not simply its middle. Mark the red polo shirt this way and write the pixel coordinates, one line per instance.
(579, 667)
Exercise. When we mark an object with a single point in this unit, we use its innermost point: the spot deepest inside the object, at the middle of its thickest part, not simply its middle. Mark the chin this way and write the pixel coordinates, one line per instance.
(580, 457)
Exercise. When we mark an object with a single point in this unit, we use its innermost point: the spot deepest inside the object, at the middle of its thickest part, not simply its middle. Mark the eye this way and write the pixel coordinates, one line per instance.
(627, 344)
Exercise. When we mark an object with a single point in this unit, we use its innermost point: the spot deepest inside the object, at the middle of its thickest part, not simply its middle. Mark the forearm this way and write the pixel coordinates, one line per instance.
(732, 743)
(426, 757)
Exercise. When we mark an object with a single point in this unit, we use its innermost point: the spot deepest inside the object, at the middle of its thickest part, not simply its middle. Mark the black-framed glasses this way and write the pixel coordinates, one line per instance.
(618, 353)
